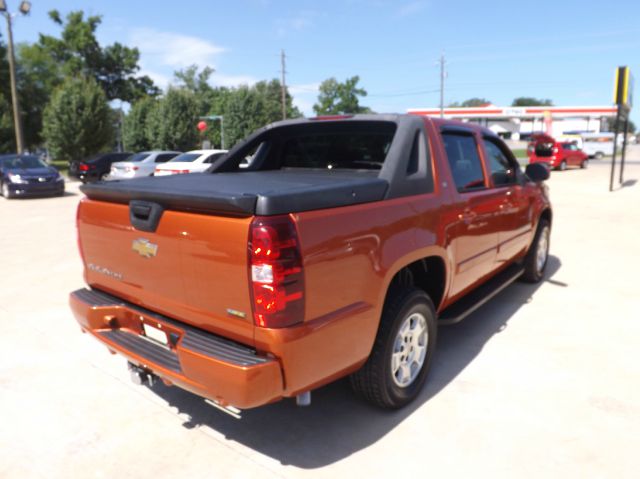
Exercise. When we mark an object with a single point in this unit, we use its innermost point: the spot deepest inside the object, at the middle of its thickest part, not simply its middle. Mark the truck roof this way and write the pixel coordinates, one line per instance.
(394, 117)
(266, 188)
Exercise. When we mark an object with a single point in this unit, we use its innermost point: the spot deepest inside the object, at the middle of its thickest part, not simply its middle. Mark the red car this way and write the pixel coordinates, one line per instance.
(558, 155)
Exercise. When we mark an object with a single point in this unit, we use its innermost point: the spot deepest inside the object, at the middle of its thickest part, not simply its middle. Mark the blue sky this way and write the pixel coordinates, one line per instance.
(563, 50)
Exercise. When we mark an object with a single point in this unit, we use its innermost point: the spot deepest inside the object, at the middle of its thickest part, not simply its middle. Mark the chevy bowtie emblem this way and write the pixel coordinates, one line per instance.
(144, 248)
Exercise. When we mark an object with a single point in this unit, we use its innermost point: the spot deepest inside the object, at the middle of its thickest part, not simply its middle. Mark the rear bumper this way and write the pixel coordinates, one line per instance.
(544, 159)
(195, 360)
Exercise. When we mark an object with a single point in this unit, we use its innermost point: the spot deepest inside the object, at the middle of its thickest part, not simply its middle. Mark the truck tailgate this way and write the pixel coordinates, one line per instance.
(193, 267)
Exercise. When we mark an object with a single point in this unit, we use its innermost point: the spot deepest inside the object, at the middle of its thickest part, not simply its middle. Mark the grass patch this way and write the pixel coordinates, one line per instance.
(520, 152)
(61, 166)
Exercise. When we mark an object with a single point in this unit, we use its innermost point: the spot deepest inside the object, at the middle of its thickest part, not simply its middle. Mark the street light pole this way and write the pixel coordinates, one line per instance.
(24, 8)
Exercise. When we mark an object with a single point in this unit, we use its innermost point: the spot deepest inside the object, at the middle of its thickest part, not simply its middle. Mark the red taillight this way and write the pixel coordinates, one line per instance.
(83, 167)
(275, 270)
(78, 231)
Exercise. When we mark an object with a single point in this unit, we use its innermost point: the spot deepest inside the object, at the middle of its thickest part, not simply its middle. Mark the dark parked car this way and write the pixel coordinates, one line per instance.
(28, 175)
(97, 167)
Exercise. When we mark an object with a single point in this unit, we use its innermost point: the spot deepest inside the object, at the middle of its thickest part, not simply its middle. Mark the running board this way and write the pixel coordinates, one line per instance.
(468, 304)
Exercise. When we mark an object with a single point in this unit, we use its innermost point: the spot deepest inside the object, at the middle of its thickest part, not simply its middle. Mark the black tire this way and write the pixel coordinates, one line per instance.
(584, 164)
(599, 155)
(5, 191)
(533, 270)
(375, 381)
(563, 165)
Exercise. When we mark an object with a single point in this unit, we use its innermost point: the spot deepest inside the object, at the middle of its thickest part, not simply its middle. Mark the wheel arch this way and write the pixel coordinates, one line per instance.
(546, 214)
(428, 274)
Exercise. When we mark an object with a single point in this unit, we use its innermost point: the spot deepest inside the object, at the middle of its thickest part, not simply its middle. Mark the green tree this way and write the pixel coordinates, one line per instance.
(243, 114)
(470, 103)
(77, 120)
(336, 98)
(271, 94)
(135, 130)
(7, 136)
(38, 76)
(78, 52)
(530, 101)
(171, 123)
(42, 66)
(248, 108)
(632, 126)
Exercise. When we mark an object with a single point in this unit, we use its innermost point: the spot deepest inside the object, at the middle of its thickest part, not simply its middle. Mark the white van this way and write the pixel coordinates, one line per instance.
(597, 145)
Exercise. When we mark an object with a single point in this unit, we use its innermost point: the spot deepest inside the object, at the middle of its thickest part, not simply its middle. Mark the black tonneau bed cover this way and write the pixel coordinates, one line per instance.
(247, 193)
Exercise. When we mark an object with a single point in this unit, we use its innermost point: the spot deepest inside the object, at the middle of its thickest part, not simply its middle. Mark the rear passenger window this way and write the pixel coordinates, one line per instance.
(165, 157)
(213, 157)
(464, 161)
(503, 172)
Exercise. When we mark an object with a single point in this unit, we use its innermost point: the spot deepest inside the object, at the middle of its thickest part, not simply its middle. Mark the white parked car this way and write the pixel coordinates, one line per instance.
(195, 161)
(140, 164)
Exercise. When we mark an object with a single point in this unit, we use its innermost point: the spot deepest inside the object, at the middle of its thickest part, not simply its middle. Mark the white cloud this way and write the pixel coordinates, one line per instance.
(173, 49)
(411, 8)
(297, 23)
(161, 53)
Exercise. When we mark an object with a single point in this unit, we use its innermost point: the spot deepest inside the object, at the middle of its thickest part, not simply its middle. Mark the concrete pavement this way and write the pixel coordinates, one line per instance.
(543, 381)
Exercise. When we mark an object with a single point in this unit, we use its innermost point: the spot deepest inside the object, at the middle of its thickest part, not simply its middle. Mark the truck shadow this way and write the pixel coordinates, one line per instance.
(337, 424)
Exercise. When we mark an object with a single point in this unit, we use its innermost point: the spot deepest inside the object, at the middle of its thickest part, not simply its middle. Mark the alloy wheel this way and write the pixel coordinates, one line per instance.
(409, 350)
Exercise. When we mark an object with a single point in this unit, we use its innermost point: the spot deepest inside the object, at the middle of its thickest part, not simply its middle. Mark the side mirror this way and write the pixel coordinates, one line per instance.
(537, 172)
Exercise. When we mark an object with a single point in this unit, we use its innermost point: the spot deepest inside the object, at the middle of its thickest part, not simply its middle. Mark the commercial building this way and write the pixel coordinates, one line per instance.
(518, 123)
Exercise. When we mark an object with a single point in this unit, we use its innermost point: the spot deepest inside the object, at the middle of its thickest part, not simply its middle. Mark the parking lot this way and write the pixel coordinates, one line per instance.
(543, 381)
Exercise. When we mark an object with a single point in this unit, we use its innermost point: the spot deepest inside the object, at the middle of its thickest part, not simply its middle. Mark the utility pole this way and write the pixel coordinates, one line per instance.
(24, 8)
(283, 86)
(442, 76)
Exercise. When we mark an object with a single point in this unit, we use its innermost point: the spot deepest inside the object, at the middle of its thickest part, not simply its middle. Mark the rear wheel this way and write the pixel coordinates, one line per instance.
(399, 362)
(535, 261)
(563, 165)
(584, 164)
(599, 155)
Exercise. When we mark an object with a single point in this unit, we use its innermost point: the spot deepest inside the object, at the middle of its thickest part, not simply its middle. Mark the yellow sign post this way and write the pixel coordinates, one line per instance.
(623, 98)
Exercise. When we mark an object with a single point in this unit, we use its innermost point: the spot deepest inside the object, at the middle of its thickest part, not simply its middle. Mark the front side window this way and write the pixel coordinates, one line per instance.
(503, 172)
(464, 161)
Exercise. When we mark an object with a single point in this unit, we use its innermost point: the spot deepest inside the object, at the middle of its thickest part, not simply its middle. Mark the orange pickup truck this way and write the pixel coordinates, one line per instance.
(315, 249)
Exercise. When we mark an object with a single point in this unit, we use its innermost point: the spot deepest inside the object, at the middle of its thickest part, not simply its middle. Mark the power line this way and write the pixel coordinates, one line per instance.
(407, 93)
